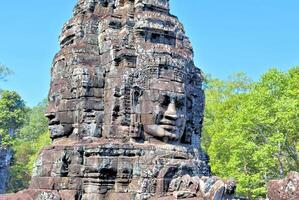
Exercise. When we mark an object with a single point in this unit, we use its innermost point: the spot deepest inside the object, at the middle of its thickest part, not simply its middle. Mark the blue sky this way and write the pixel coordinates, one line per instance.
(228, 36)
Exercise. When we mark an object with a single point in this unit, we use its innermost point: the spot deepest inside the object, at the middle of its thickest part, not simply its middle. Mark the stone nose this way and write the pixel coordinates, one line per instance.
(52, 118)
(50, 115)
(171, 112)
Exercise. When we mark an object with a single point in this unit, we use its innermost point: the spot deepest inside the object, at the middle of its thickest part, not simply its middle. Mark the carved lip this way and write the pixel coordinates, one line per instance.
(53, 122)
(168, 127)
(168, 122)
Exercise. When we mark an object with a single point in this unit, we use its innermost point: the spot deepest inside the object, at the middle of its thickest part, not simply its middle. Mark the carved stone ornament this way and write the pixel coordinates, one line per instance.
(125, 110)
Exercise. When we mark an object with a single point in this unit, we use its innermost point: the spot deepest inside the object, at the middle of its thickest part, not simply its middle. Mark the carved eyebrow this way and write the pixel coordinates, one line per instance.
(177, 97)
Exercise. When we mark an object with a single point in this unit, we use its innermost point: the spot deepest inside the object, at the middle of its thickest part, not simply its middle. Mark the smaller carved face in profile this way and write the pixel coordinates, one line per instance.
(56, 129)
(57, 126)
(166, 111)
(60, 121)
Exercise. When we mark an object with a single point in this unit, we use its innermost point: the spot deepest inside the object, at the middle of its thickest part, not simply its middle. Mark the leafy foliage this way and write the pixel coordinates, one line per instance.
(32, 138)
(251, 129)
(22, 129)
(12, 115)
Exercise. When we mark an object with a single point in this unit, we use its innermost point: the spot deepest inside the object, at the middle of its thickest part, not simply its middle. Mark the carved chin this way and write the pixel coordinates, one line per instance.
(160, 131)
(60, 130)
(56, 131)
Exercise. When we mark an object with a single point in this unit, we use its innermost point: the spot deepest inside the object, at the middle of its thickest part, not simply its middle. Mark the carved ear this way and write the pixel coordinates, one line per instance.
(136, 94)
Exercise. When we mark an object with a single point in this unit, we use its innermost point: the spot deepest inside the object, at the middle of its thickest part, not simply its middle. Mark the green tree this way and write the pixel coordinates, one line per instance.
(33, 136)
(22, 129)
(251, 129)
(12, 115)
(36, 124)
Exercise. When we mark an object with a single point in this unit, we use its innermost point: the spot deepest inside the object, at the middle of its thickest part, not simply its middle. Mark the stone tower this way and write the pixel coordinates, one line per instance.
(125, 109)
(121, 66)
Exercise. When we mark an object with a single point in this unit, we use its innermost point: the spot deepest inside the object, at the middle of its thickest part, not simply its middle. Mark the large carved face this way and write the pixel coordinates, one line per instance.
(163, 109)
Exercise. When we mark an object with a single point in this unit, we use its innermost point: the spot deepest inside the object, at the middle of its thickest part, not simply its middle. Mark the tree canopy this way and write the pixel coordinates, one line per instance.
(24, 130)
(32, 137)
(12, 114)
(251, 128)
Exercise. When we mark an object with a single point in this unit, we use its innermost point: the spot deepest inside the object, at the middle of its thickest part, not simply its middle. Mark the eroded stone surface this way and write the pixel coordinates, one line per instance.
(284, 189)
(125, 109)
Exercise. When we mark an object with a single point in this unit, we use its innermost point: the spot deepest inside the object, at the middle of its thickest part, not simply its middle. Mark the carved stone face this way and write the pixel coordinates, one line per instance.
(163, 109)
(60, 123)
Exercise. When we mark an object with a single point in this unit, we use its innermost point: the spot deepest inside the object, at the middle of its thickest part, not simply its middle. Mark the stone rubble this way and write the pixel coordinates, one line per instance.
(284, 189)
